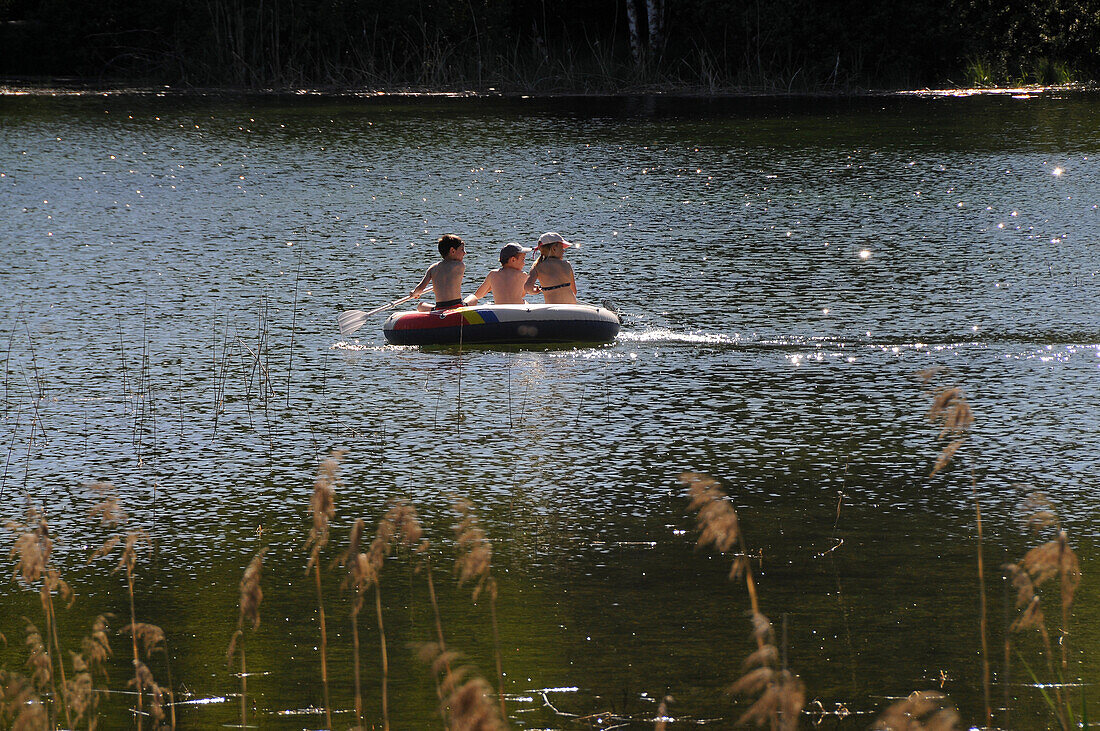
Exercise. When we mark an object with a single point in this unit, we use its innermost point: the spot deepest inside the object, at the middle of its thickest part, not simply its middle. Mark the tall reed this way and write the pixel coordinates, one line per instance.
(922, 710)
(322, 509)
(151, 640)
(32, 551)
(780, 694)
(40, 665)
(1049, 560)
(661, 724)
(21, 706)
(475, 563)
(95, 651)
(112, 516)
(251, 596)
(357, 581)
(951, 411)
(466, 695)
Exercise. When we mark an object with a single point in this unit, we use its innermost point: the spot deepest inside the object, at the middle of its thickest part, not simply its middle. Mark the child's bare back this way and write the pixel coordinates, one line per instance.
(506, 283)
(445, 277)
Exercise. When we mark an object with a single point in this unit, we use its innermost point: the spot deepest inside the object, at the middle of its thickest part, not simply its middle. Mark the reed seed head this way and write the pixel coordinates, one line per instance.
(80, 693)
(32, 548)
(382, 545)
(107, 510)
(251, 593)
(923, 710)
(715, 516)
(409, 531)
(780, 694)
(38, 661)
(467, 696)
(475, 553)
(952, 412)
(322, 504)
(145, 683)
(20, 705)
(133, 542)
(662, 714)
(96, 647)
(149, 636)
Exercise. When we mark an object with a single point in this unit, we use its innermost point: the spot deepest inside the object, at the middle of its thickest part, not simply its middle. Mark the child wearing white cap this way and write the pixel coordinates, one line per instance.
(505, 283)
(552, 275)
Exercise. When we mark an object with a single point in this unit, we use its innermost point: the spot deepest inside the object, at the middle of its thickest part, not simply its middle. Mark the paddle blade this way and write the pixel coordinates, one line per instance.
(350, 321)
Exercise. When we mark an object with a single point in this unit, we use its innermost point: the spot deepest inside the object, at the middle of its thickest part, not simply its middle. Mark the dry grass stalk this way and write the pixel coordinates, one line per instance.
(145, 683)
(923, 710)
(96, 647)
(81, 693)
(21, 709)
(1053, 559)
(780, 694)
(952, 412)
(113, 517)
(92, 660)
(32, 550)
(134, 541)
(399, 525)
(357, 581)
(150, 638)
(38, 660)
(322, 510)
(475, 563)
(441, 644)
(322, 505)
(466, 695)
(251, 596)
(719, 527)
(662, 714)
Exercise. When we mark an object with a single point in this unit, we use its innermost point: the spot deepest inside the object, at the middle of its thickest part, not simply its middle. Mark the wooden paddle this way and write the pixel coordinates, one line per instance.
(351, 320)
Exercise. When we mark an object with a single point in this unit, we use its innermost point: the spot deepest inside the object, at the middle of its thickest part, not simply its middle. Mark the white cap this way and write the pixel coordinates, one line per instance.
(551, 237)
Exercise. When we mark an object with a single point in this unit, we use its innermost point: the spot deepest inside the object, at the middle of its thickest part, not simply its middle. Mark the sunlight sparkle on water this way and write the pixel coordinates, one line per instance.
(1057, 172)
(864, 254)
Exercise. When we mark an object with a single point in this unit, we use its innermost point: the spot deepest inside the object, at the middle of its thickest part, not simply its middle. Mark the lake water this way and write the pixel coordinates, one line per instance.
(174, 265)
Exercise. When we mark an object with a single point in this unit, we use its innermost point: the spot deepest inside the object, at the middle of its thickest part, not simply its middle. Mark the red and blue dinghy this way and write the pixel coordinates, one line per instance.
(504, 324)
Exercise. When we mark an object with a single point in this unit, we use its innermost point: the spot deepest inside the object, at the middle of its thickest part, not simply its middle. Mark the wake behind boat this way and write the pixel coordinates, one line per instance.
(504, 324)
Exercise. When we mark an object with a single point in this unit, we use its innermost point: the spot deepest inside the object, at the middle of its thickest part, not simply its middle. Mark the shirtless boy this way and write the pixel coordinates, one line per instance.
(505, 283)
(444, 276)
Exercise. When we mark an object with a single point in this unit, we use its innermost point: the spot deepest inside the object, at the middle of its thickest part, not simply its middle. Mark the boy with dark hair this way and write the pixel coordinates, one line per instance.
(444, 276)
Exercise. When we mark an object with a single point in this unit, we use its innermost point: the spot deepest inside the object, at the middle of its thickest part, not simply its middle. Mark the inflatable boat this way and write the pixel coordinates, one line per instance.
(503, 324)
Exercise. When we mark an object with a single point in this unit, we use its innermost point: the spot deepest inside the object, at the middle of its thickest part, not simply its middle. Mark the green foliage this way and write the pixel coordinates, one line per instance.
(979, 73)
(571, 44)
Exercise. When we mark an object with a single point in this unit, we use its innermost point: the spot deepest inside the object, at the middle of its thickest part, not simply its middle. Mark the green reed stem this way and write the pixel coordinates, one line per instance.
(324, 645)
(133, 641)
(385, 659)
(496, 646)
(244, 689)
(51, 633)
(983, 618)
(355, 666)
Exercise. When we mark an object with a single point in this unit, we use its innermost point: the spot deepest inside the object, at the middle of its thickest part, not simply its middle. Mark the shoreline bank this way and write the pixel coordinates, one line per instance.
(68, 86)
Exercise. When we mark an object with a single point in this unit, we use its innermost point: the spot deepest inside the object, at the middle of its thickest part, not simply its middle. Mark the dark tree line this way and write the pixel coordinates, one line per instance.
(544, 45)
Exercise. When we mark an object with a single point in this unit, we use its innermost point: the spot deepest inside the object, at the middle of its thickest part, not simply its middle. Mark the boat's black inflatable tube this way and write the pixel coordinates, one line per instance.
(503, 324)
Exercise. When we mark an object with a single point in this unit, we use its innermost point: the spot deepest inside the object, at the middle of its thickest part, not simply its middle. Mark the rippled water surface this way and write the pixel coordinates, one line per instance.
(173, 268)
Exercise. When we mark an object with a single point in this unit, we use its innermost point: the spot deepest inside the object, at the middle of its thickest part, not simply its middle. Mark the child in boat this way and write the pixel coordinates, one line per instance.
(552, 275)
(444, 276)
(506, 283)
